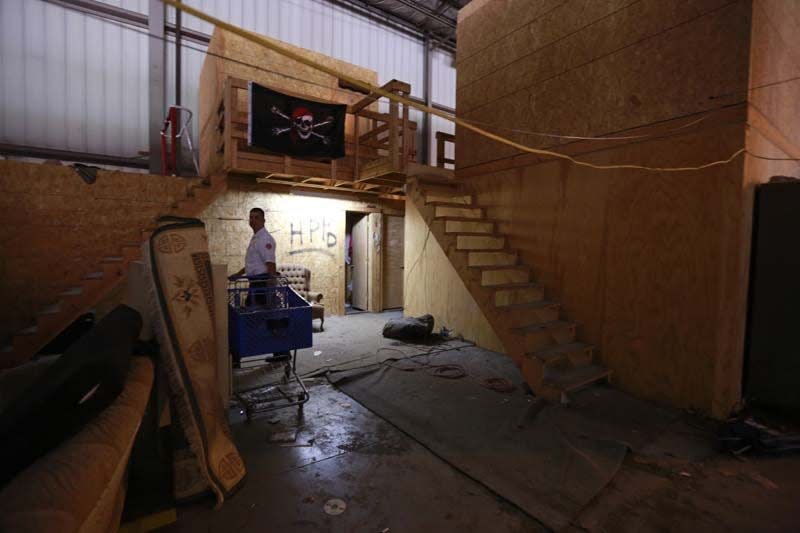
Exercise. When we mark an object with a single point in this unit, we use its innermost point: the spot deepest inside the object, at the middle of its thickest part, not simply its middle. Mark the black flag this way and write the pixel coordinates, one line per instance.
(294, 126)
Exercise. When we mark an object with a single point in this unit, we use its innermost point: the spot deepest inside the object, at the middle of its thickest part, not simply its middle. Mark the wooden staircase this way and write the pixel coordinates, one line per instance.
(553, 362)
(96, 285)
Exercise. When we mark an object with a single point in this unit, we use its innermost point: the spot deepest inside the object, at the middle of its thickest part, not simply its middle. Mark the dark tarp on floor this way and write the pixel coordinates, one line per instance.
(550, 460)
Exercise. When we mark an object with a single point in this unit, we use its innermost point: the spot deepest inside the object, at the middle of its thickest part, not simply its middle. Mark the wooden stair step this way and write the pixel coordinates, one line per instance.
(521, 294)
(489, 268)
(435, 199)
(458, 218)
(502, 275)
(491, 258)
(508, 286)
(543, 326)
(50, 309)
(440, 188)
(71, 292)
(482, 243)
(474, 234)
(570, 379)
(469, 226)
(526, 268)
(524, 313)
(539, 304)
(438, 203)
(559, 352)
(27, 332)
(490, 250)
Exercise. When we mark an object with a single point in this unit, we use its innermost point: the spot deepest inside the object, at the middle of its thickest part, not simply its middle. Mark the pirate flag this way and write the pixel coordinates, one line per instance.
(293, 126)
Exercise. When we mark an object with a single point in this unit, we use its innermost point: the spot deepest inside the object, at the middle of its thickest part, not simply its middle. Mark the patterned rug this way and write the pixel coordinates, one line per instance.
(184, 312)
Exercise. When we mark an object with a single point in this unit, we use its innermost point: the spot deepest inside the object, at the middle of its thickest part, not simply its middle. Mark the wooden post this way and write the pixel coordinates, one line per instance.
(439, 149)
(394, 148)
(356, 174)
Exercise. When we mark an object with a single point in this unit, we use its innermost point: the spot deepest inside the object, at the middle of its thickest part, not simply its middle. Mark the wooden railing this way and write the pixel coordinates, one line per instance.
(390, 134)
(380, 149)
(442, 140)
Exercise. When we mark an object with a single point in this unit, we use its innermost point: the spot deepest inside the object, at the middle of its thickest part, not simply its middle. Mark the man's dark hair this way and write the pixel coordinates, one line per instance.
(258, 210)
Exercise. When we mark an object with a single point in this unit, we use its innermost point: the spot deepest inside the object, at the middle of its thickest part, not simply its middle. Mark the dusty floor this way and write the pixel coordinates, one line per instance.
(390, 483)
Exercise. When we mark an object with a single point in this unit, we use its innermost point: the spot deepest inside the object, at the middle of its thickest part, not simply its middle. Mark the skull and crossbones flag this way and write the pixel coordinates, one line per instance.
(294, 126)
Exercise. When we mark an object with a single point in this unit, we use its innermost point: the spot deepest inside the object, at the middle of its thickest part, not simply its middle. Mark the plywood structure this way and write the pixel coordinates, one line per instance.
(239, 58)
(654, 266)
(309, 230)
(432, 286)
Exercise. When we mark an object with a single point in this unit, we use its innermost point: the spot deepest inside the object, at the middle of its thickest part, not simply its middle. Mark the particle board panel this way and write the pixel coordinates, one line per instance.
(775, 57)
(561, 21)
(432, 285)
(646, 263)
(625, 89)
(568, 49)
(308, 230)
(504, 17)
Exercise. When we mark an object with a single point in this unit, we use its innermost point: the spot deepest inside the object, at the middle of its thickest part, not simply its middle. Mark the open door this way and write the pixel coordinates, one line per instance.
(361, 264)
(394, 230)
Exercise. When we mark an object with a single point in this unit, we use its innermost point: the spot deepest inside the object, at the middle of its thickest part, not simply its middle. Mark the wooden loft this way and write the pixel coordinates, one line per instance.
(379, 157)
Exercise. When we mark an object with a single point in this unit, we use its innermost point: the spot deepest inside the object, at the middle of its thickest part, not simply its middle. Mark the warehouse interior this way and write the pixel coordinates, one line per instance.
(507, 265)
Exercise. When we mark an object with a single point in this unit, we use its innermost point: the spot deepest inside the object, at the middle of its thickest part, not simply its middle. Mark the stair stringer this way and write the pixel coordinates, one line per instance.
(111, 271)
(502, 320)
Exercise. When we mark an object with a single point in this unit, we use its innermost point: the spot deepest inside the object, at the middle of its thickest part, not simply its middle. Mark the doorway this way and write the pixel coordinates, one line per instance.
(393, 255)
(356, 266)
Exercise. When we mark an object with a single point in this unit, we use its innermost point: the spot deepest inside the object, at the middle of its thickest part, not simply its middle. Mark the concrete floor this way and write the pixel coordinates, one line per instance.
(390, 483)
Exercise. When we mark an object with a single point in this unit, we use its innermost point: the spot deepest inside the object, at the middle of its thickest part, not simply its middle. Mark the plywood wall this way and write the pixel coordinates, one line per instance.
(652, 265)
(432, 286)
(588, 68)
(55, 228)
(308, 230)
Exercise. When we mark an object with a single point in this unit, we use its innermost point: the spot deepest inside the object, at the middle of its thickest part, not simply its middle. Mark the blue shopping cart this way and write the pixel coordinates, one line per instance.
(267, 323)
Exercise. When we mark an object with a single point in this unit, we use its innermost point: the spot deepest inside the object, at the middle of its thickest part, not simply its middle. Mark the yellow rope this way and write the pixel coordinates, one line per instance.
(258, 39)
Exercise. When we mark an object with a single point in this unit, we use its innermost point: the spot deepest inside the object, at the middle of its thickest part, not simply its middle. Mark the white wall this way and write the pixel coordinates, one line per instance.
(74, 82)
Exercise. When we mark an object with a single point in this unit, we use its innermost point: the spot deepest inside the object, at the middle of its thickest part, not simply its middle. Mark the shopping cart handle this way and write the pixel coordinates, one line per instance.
(258, 277)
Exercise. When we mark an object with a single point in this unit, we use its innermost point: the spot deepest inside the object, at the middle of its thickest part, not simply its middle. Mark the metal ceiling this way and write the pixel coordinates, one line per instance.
(436, 18)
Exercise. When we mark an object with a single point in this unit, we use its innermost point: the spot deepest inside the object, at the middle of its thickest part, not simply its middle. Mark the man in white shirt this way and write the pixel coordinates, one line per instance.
(260, 257)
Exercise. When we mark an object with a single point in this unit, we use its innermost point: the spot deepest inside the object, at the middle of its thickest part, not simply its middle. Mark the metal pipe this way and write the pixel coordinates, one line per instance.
(157, 83)
(178, 89)
(178, 57)
(118, 14)
(66, 155)
(425, 152)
